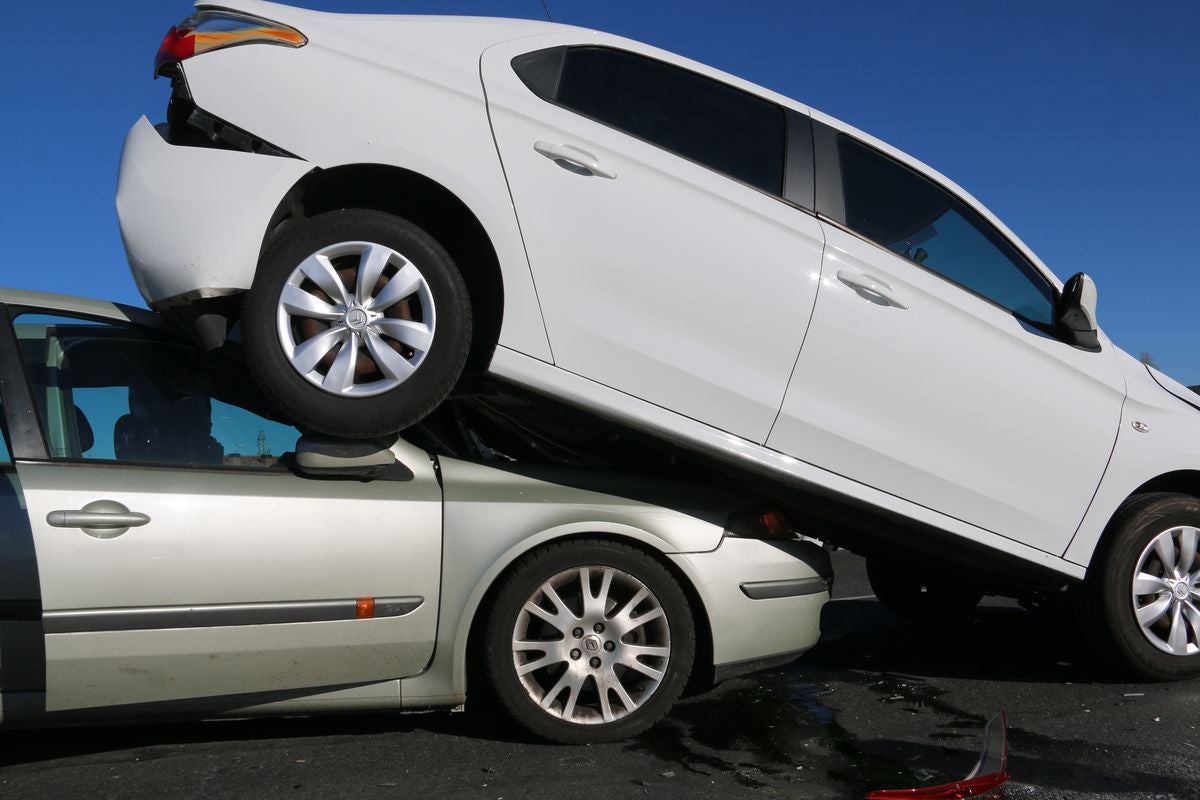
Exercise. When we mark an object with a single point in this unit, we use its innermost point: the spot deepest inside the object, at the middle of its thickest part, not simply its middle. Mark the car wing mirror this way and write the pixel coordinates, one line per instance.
(355, 459)
(1076, 313)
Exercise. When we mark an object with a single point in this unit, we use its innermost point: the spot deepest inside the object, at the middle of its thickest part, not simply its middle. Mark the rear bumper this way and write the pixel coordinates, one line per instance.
(193, 218)
(790, 577)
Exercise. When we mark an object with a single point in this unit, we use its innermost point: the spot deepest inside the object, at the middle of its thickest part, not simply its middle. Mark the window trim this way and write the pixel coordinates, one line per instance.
(831, 209)
(784, 111)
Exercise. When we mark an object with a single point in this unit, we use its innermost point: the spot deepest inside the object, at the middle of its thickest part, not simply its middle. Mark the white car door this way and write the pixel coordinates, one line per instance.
(667, 263)
(931, 371)
(178, 557)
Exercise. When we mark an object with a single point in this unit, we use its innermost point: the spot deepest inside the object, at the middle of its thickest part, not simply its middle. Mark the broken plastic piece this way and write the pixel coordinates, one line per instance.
(990, 771)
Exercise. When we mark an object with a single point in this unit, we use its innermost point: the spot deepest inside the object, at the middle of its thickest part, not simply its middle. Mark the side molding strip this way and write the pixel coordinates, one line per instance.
(216, 616)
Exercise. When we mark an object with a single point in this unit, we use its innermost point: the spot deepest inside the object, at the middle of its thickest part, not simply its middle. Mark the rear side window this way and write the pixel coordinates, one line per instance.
(5, 453)
(118, 393)
(703, 120)
(912, 216)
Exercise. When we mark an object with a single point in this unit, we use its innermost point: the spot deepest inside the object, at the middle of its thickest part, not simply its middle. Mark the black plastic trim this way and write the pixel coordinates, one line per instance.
(799, 172)
(215, 616)
(773, 590)
(829, 201)
(735, 669)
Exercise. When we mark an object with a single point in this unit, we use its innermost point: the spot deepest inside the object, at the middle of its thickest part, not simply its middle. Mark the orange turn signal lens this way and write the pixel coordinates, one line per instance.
(206, 31)
(364, 608)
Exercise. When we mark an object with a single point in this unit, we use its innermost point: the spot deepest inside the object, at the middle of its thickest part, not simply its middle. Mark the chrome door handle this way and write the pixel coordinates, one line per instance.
(103, 519)
(570, 157)
(879, 289)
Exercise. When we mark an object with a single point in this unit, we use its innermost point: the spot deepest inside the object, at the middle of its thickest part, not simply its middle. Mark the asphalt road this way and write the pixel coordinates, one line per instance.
(877, 704)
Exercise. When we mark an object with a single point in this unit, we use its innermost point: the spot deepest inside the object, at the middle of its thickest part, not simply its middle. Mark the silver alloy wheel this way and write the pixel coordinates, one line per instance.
(356, 319)
(591, 645)
(1166, 591)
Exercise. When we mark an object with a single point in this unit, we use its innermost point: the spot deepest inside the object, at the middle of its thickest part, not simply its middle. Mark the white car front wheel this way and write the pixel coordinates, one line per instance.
(1146, 584)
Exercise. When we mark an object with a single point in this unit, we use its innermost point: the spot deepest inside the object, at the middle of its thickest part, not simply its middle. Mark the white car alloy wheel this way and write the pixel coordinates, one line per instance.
(1166, 591)
(591, 645)
(356, 319)
(1144, 585)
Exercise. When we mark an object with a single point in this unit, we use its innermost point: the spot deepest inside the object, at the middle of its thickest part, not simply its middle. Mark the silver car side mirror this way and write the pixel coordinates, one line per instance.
(1076, 313)
(361, 459)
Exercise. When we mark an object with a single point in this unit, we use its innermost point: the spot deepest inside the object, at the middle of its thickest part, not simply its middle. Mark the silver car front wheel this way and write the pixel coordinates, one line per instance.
(589, 641)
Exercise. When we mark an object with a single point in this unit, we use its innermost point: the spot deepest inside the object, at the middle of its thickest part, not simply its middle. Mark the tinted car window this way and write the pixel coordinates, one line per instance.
(914, 217)
(5, 453)
(701, 119)
(112, 392)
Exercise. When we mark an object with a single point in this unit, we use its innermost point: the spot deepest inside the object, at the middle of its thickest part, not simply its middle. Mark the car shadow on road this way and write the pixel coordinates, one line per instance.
(994, 643)
(151, 737)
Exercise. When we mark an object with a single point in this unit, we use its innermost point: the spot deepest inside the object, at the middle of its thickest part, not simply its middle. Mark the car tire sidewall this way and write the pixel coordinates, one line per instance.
(523, 581)
(391, 411)
(1115, 629)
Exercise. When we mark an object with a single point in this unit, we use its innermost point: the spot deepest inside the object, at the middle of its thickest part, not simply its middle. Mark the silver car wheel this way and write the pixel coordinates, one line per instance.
(356, 319)
(1166, 591)
(591, 645)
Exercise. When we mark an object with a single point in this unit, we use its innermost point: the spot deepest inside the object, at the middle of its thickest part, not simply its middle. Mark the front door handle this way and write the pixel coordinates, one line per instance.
(578, 161)
(874, 289)
(104, 519)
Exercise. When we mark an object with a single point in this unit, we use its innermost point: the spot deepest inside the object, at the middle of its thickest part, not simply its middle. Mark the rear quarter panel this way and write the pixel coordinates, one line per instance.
(400, 91)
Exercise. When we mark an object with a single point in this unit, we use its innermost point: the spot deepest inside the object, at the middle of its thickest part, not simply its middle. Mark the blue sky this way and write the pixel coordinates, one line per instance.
(1078, 123)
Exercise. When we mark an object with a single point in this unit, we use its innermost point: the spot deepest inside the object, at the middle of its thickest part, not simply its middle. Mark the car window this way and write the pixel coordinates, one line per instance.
(706, 121)
(115, 392)
(5, 452)
(914, 217)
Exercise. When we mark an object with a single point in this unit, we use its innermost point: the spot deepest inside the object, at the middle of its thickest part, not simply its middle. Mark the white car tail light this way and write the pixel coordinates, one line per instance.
(206, 31)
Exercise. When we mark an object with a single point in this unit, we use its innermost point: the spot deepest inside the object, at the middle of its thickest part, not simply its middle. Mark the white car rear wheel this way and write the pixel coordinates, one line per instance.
(358, 323)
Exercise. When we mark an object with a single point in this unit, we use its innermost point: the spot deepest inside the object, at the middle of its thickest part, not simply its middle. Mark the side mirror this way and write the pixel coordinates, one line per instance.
(359, 459)
(1076, 313)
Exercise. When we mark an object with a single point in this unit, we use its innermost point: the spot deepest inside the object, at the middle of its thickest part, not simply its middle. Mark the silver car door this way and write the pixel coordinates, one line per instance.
(179, 557)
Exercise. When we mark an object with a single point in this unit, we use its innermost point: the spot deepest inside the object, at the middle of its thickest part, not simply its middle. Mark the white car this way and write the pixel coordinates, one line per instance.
(388, 203)
(169, 545)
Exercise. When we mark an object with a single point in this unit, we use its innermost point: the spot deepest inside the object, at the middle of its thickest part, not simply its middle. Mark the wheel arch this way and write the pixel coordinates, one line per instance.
(427, 204)
(1179, 481)
(467, 667)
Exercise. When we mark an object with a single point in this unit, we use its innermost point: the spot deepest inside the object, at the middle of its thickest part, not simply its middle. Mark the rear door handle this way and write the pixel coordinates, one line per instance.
(879, 290)
(103, 519)
(572, 158)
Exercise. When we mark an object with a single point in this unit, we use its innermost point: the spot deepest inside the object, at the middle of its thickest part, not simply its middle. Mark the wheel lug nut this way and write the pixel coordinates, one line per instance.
(575, 654)
(595, 662)
(577, 633)
(609, 647)
(598, 627)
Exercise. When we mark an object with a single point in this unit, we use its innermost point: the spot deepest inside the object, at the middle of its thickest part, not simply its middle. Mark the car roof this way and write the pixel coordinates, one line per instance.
(71, 304)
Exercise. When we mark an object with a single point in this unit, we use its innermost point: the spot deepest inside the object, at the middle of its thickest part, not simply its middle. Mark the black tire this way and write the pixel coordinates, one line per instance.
(586, 725)
(1115, 630)
(915, 594)
(314, 408)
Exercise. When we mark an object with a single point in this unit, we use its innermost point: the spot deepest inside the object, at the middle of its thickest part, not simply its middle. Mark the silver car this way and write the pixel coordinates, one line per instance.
(169, 544)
